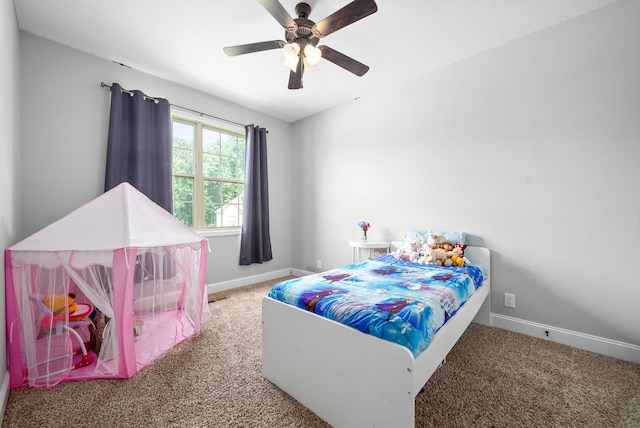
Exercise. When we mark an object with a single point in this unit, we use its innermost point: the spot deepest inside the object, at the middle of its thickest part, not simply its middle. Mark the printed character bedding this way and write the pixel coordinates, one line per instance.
(395, 300)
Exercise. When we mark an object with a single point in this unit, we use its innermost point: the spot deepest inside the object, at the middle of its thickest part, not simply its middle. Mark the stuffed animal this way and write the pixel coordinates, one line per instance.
(59, 304)
(410, 250)
(434, 256)
(447, 246)
(457, 261)
(434, 240)
(96, 330)
(457, 255)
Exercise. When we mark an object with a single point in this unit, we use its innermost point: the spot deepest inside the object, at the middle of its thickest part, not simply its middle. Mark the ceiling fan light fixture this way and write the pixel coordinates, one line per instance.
(312, 54)
(291, 52)
(291, 64)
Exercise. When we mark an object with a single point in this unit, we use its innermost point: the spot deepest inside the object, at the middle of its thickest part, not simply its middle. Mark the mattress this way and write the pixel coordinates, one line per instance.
(395, 300)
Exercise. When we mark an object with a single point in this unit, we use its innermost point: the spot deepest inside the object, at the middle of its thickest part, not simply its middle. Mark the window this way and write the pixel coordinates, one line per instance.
(208, 174)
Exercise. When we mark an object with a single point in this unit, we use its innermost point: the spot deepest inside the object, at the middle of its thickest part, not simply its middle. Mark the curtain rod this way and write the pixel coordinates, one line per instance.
(104, 85)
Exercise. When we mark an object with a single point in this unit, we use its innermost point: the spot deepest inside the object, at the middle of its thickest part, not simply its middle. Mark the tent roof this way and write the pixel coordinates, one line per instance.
(122, 217)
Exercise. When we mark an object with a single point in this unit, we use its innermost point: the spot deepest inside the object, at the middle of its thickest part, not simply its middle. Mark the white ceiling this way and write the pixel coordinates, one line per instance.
(182, 41)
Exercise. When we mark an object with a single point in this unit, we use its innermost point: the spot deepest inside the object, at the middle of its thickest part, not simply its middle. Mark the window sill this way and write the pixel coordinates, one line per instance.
(213, 233)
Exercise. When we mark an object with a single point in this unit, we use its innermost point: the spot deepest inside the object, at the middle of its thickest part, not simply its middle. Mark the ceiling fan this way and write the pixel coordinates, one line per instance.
(302, 36)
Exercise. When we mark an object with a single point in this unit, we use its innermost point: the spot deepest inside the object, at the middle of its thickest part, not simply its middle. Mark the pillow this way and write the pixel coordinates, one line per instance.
(447, 236)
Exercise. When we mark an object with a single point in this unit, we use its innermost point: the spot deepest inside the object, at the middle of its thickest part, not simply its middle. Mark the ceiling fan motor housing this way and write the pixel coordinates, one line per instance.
(304, 31)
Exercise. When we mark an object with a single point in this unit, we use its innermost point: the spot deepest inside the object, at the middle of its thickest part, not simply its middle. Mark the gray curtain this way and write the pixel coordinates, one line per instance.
(139, 145)
(255, 241)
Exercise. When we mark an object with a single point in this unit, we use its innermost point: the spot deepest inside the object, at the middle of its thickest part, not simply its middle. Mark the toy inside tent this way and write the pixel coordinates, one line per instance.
(53, 358)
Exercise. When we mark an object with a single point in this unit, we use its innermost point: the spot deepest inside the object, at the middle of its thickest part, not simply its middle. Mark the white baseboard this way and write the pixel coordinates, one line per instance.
(300, 272)
(587, 342)
(247, 280)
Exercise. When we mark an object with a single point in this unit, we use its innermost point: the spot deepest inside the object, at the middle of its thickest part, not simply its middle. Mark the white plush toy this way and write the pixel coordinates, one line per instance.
(410, 250)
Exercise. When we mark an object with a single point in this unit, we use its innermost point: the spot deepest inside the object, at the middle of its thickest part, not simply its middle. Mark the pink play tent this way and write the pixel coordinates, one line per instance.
(103, 292)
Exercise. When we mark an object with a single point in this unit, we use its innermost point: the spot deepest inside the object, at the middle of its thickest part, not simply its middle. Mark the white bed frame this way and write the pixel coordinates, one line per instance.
(352, 379)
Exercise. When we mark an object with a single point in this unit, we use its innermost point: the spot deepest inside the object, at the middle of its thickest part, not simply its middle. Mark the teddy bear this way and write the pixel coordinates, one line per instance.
(447, 246)
(410, 250)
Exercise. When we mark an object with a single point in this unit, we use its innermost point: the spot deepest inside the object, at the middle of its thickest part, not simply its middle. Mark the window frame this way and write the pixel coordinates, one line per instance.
(200, 123)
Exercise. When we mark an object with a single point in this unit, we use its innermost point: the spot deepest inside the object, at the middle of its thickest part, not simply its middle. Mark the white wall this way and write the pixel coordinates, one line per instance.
(533, 148)
(65, 116)
(9, 160)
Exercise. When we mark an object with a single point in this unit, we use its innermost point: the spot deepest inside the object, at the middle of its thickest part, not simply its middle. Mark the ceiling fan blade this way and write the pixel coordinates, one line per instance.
(354, 11)
(253, 47)
(348, 63)
(295, 78)
(275, 8)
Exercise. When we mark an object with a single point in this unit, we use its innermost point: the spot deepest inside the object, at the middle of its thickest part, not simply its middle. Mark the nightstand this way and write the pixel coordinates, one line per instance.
(376, 248)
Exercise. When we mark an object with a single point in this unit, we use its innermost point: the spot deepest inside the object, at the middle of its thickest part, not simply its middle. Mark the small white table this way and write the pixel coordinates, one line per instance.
(381, 247)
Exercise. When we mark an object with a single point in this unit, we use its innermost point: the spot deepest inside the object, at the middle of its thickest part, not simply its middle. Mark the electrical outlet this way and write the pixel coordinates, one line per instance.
(510, 300)
(319, 264)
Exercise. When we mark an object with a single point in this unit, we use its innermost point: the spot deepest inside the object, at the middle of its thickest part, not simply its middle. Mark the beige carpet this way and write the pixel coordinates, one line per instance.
(493, 378)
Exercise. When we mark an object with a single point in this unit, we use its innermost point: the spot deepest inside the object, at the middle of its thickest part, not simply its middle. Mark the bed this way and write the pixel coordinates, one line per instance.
(352, 379)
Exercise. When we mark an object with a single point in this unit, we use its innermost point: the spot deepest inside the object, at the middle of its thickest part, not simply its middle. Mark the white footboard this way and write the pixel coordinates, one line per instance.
(348, 378)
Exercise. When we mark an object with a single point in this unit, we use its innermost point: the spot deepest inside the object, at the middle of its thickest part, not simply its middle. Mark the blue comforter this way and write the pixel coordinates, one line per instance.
(403, 302)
